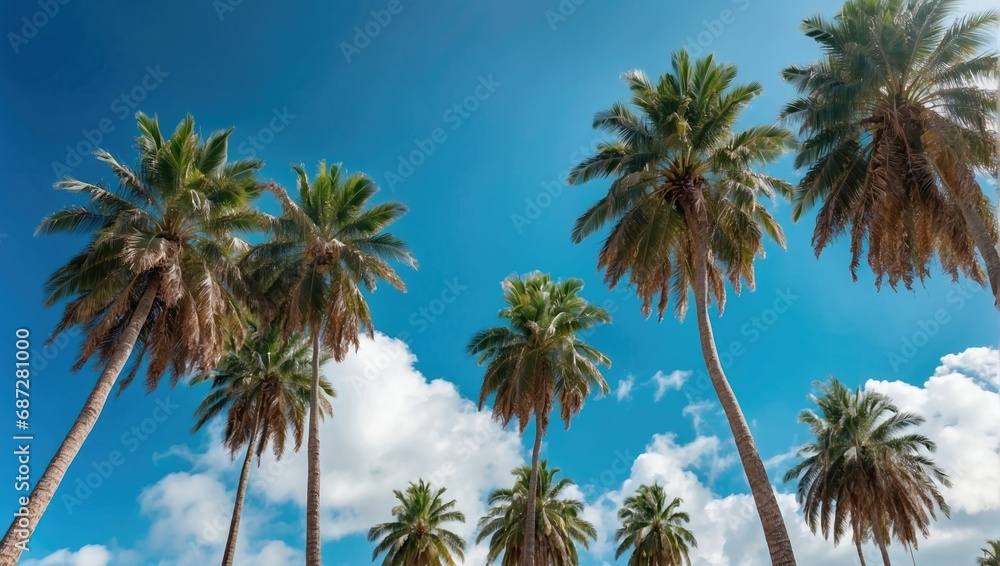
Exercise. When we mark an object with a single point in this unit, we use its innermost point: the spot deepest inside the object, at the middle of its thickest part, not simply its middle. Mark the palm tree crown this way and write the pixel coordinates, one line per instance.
(326, 247)
(682, 173)
(897, 120)
(864, 470)
(990, 554)
(559, 526)
(653, 529)
(416, 537)
(539, 356)
(170, 226)
(263, 387)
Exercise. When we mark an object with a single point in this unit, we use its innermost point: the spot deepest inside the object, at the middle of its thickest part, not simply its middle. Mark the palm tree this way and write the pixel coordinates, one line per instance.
(559, 526)
(653, 529)
(685, 213)
(156, 273)
(898, 119)
(264, 388)
(325, 247)
(538, 358)
(416, 537)
(991, 554)
(865, 471)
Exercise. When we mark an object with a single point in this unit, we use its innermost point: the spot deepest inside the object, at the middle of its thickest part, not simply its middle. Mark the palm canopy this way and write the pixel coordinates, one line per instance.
(653, 529)
(263, 387)
(539, 357)
(991, 554)
(897, 119)
(681, 174)
(416, 537)
(865, 470)
(325, 247)
(169, 226)
(559, 526)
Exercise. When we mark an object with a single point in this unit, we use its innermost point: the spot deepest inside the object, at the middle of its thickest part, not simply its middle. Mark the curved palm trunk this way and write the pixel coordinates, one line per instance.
(861, 553)
(529, 521)
(314, 548)
(778, 543)
(16, 539)
(877, 533)
(241, 489)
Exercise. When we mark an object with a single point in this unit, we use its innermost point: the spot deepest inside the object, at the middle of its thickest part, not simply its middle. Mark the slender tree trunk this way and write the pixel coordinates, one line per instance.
(314, 546)
(241, 490)
(861, 552)
(529, 521)
(877, 533)
(775, 533)
(16, 539)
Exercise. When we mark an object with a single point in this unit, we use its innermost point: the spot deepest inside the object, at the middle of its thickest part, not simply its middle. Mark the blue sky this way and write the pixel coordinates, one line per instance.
(303, 82)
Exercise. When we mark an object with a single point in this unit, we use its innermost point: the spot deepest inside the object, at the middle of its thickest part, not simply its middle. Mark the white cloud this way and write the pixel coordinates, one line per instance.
(90, 555)
(624, 389)
(672, 380)
(962, 418)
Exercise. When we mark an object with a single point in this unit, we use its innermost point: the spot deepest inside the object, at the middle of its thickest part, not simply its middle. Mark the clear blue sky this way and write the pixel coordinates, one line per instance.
(282, 66)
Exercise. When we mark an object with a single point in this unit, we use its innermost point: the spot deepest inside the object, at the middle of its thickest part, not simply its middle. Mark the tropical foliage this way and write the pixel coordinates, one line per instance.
(326, 247)
(157, 274)
(559, 527)
(263, 388)
(898, 121)
(416, 537)
(686, 213)
(652, 531)
(866, 470)
(990, 554)
(539, 358)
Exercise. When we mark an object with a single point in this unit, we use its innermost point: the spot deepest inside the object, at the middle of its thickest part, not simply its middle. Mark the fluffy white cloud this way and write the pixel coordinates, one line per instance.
(624, 389)
(90, 555)
(665, 382)
(962, 417)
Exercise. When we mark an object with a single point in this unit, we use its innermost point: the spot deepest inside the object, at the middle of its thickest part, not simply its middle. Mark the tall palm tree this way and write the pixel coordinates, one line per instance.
(653, 529)
(898, 119)
(559, 526)
(326, 246)
(264, 388)
(865, 471)
(538, 358)
(156, 273)
(686, 214)
(991, 554)
(416, 537)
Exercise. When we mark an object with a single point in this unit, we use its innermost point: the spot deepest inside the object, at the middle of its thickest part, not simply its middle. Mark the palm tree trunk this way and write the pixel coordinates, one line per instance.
(877, 533)
(16, 539)
(529, 521)
(314, 546)
(861, 552)
(241, 489)
(775, 533)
